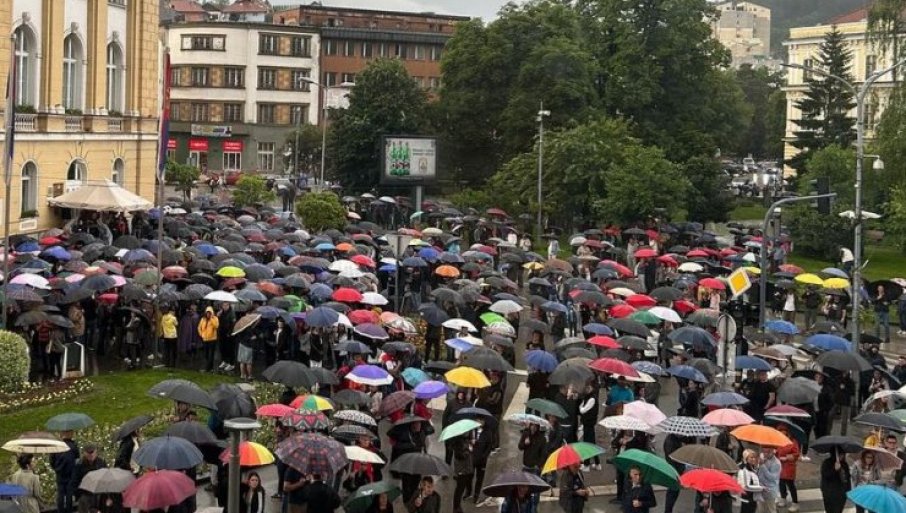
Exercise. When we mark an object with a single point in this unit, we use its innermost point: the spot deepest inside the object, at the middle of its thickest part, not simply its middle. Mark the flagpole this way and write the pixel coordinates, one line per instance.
(8, 166)
(164, 136)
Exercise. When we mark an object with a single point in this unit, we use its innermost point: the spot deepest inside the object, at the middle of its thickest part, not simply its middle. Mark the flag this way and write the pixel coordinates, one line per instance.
(164, 122)
(10, 114)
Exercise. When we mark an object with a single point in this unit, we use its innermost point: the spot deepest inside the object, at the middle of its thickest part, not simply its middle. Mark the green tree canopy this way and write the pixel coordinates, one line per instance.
(889, 144)
(707, 198)
(252, 190)
(320, 211)
(384, 101)
(838, 165)
(308, 155)
(759, 85)
(183, 176)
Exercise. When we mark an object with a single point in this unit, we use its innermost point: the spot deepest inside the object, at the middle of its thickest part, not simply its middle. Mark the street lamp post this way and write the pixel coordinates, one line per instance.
(398, 243)
(540, 119)
(236, 427)
(861, 93)
(324, 90)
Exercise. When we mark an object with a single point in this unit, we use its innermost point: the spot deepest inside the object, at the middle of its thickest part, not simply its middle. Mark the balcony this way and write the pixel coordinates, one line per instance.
(26, 122)
(114, 124)
(73, 123)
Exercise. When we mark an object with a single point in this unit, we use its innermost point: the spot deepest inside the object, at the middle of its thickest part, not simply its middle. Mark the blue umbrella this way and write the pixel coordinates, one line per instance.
(687, 372)
(321, 317)
(414, 261)
(829, 342)
(168, 453)
(752, 362)
(430, 389)
(207, 249)
(58, 252)
(451, 258)
(12, 490)
(553, 306)
(541, 360)
(648, 367)
(723, 399)
(387, 268)
(320, 291)
(138, 255)
(414, 377)
(287, 251)
(325, 246)
(693, 336)
(269, 312)
(787, 328)
(459, 344)
(598, 329)
(430, 254)
(878, 499)
(28, 247)
(836, 273)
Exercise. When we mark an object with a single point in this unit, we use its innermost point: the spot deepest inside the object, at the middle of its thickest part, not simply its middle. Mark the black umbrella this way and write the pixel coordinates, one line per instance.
(98, 282)
(881, 420)
(420, 464)
(628, 327)
(438, 366)
(573, 371)
(397, 347)
(168, 453)
(432, 314)
(232, 401)
(505, 484)
(536, 325)
(31, 317)
(59, 320)
(76, 295)
(798, 391)
(348, 397)
(843, 361)
(826, 444)
(865, 338)
(131, 426)
(665, 294)
(195, 432)
(190, 394)
(633, 343)
(352, 432)
(163, 387)
(290, 373)
(486, 359)
(127, 242)
(892, 290)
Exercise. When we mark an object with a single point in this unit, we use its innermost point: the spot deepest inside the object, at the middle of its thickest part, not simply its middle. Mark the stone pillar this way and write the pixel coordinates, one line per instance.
(96, 72)
(50, 89)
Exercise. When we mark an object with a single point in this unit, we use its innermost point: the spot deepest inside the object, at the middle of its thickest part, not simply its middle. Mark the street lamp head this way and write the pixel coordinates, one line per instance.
(544, 113)
(878, 164)
(346, 84)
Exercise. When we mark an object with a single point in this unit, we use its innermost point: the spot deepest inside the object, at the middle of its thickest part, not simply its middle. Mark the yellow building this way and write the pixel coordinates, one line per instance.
(87, 97)
(803, 49)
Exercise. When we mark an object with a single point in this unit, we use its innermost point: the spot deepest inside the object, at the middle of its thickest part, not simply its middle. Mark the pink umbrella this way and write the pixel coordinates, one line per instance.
(158, 490)
(646, 412)
(785, 410)
(727, 417)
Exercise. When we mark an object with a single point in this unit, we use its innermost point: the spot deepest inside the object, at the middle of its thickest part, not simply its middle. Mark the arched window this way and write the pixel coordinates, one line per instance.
(72, 73)
(114, 78)
(26, 53)
(29, 189)
(119, 172)
(77, 171)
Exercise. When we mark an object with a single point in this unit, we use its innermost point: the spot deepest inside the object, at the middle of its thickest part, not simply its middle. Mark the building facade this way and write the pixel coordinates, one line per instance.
(803, 49)
(87, 100)
(237, 91)
(744, 29)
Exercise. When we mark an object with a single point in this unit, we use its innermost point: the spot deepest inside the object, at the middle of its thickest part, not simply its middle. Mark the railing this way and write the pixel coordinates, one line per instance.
(26, 122)
(73, 123)
(114, 124)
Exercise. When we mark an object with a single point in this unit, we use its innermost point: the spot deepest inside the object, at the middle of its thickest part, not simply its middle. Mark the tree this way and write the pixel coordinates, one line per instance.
(252, 190)
(895, 218)
(817, 235)
(889, 145)
(319, 211)
(645, 183)
(384, 101)
(707, 198)
(760, 85)
(838, 165)
(308, 154)
(183, 175)
(886, 27)
(827, 102)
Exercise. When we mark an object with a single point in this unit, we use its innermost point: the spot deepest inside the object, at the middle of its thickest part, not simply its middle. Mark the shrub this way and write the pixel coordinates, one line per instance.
(319, 211)
(14, 362)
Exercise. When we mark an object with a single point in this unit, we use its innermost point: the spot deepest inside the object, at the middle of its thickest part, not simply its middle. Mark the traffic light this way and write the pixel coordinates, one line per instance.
(821, 185)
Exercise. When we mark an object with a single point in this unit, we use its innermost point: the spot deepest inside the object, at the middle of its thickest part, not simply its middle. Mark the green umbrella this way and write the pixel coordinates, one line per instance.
(147, 278)
(645, 317)
(898, 414)
(655, 469)
(297, 304)
(416, 215)
(363, 497)
(492, 317)
(69, 422)
(460, 427)
(546, 407)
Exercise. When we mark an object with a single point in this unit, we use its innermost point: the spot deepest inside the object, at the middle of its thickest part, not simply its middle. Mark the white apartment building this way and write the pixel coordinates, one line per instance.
(744, 29)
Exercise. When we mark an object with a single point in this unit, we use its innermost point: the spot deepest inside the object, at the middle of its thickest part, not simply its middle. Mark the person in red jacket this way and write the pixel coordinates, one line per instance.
(789, 457)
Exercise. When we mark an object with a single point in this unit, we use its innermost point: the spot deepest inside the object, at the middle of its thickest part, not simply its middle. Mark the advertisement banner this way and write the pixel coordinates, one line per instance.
(198, 144)
(171, 144)
(409, 159)
(232, 146)
(212, 130)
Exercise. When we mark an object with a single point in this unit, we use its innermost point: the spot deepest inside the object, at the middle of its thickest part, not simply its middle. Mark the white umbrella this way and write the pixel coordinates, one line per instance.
(577, 241)
(353, 215)
(750, 257)
(664, 313)
(501, 328)
(622, 291)
(458, 324)
(646, 412)
(506, 306)
(356, 453)
(343, 265)
(32, 280)
(35, 446)
(220, 295)
(352, 274)
(373, 298)
(690, 267)
(387, 199)
(625, 423)
(343, 320)
(432, 232)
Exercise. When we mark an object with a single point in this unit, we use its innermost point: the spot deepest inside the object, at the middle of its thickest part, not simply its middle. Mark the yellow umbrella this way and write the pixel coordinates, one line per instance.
(533, 266)
(467, 377)
(836, 283)
(752, 270)
(809, 279)
(231, 272)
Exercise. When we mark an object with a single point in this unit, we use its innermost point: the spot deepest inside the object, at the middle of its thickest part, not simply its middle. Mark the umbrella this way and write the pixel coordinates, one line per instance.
(106, 480)
(727, 417)
(251, 454)
(723, 399)
(704, 456)
(540, 360)
(830, 443)
(877, 498)
(646, 412)
(629, 327)
(369, 375)
(486, 359)
(706, 480)
(798, 391)
(526, 419)
(881, 420)
(752, 362)
(430, 390)
(614, 366)
(504, 484)
(364, 496)
(168, 453)
(311, 453)
(787, 328)
(687, 372)
(413, 377)
(131, 426)
(655, 469)
(761, 435)
(625, 423)
(686, 426)
(843, 360)
(572, 371)
(352, 432)
(396, 402)
(347, 397)
(158, 490)
(420, 464)
(195, 432)
(69, 422)
(546, 407)
(289, 373)
(188, 393)
(571, 454)
(275, 410)
(829, 342)
(356, 417)
(467, 377)
(233, 404)
(458, 428)
(648, 367)
(311, 402)
(785, 410)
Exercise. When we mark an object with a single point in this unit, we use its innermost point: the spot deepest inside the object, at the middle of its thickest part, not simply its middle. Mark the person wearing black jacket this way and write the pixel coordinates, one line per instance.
(482, 444)
(64, 466)
(824, 412)
(458, 401)
(672, 442)
(835, 482)
(225, 337)
(639, 496)
(491, 399)
(128, 445)
(532, 444)
(427, 500)
(433, 340)
(588, 413)
(569, 400)
(624, 441)
(88, 462)
(319, 496)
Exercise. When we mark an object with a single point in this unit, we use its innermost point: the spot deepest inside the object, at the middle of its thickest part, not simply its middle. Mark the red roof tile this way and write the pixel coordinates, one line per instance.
(247, 6)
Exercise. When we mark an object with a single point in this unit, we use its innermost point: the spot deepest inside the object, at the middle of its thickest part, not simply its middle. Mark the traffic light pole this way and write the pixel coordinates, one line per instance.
(763, 277)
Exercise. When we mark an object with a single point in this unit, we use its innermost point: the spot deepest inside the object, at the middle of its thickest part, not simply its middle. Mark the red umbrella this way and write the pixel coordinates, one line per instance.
(487, 249)
(712, 283)
(594, 244)
(697, 253)
(652, 234)
(109, 298)
(174, 271)
(645, 253)
(363, 316)
(618, 267)
(785, 410)
(620, 311)
(707, 480)
(668, 260)
(613, 366)
(727, 252)
(790, 268)
(271, 288)
(275, 410)
(158, 490)
(603, 341)
(641, 301)
(49, 241)
(362, 260)
(347, 295)
(496, 212)
(684, 307)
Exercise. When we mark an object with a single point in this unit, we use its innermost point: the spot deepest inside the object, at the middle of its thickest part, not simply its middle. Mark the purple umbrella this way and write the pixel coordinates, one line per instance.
(430, 389)
(372, 331)
(369, 375)
(57, 252)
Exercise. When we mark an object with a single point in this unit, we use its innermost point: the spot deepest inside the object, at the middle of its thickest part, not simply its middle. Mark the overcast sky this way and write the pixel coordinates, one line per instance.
(485, 9)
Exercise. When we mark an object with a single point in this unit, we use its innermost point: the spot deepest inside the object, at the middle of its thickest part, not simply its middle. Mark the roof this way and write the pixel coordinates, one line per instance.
(240, 6)
(102, 197)
(341, 10)
(385, 35)
(186, 6)
(858, 15)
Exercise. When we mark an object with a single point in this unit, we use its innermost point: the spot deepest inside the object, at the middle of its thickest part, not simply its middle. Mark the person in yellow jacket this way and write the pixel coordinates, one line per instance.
(207, 330)
(168, 329)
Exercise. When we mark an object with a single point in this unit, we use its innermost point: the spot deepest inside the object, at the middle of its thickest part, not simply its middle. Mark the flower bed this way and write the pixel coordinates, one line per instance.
(39, 395)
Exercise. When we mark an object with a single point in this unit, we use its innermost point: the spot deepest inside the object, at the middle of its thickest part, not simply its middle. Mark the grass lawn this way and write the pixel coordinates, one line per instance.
(883, 262)
(116, 397)
(747, 211)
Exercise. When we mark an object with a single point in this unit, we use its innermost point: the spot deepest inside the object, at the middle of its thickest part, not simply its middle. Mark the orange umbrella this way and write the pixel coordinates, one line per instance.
(447, 271)
(345, 246)
(761, 435)
(271, 288)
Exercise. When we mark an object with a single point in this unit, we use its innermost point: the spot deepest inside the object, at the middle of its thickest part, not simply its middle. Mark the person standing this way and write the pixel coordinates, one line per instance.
(226, 318)
(532, 444)
(89, 462)
(128, 445)
(463, 470)
(865, 471)
(672, 443)
(769, 476)
(553, 248)
(426, 500)
(639, 498)
(188, 339)
(901, 314)
(747, 477)
(573, 491)
(835, 482)
(77, 316)
(825, 403)
(63, 465)
(812, 301)
(207, 330)
(882, 312)
(319, 497)
(588, 412)
(169, 325)
(26, 478)
(761, 396)
(482, 444)
(789, 306)
(252, 496)
(789, 457)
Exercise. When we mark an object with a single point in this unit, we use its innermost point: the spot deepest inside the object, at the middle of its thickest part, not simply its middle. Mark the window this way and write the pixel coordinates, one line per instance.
(267, 78)
(199, 112)
(171, 155)
(330, 79)
(118, 175)
(203, 43)
(299, 114)
(232, 112)
(265, 156)
(871, 65)
(399, 50)
(72, 73)
(348, 78)
(418, 52)
(232, 161)
(200, 77)
(301, 46)
(266, 113)
(349, 49)
(300, 80)
(174, 77)
(77, 171)
(382, 50)
(114, 78)
(437, 52)
(267, 44)
(233, 77)
(25, 65)
(434, 83)
(808, 63)
(330, 47)
(367, 49)
(871, 115)
(29, 187)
